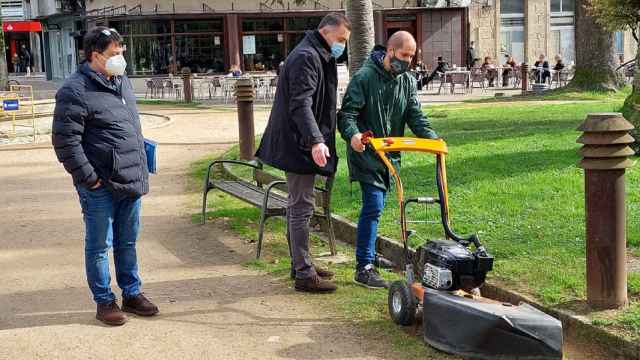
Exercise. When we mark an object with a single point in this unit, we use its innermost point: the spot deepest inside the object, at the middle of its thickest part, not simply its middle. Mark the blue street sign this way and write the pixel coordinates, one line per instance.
(10, 105)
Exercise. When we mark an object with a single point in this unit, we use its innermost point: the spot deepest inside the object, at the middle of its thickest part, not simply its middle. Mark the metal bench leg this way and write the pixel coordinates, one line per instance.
(263, 213)
(263, 219)
(207, 187)
(332, 235)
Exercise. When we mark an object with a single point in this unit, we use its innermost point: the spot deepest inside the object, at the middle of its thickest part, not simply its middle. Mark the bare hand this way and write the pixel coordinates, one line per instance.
(320, 154)
(96, 185)
(356, 143)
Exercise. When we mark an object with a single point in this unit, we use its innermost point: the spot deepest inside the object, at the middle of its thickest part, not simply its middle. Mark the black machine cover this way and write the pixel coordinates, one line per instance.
(481, 330)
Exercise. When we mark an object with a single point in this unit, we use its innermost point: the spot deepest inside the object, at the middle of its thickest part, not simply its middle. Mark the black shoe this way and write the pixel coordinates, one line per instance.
(369, 277)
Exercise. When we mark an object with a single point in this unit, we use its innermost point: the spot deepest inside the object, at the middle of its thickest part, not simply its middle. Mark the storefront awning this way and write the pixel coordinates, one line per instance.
(21, 26)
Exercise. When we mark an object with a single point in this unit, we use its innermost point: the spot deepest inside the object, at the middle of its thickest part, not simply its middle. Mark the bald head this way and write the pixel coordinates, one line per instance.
(401, 46)
(400, 39)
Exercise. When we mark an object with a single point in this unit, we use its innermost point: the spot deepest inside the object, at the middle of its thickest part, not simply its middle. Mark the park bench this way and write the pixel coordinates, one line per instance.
(259, 192)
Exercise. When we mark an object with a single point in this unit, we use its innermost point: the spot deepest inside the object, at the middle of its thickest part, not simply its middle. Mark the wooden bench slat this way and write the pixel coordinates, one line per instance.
(251, 194)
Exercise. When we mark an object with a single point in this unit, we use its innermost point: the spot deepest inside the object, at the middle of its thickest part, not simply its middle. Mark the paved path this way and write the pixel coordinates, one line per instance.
(211, 306)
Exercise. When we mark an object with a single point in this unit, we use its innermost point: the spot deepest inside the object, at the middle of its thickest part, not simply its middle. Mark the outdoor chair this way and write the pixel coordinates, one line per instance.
(158, 85)
(215, 85)
(150, 91)
(478, 76)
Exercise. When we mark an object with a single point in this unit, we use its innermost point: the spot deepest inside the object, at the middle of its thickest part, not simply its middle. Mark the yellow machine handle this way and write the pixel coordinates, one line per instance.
(398, 144)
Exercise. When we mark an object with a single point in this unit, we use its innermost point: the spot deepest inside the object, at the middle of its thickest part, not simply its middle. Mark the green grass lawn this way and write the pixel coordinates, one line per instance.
(513, 180)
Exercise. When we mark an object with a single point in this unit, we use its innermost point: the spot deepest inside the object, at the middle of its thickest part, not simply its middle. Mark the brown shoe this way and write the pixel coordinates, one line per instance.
(110, 314)
(139, 305)
(315, 284)
(323, 273)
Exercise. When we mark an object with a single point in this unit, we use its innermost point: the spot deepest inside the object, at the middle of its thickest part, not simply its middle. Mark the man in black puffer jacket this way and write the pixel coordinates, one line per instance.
(98, 138)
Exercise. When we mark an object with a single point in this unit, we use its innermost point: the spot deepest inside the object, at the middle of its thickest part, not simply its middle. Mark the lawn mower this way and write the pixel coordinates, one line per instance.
(455, 317)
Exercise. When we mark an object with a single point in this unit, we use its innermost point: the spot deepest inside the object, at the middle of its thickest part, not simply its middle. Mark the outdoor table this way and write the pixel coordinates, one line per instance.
(449, 75)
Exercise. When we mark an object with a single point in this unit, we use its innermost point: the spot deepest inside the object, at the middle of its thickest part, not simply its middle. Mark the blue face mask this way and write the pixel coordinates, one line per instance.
(337, 49)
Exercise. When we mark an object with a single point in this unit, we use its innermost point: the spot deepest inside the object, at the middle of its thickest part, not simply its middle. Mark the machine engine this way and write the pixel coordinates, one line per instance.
(448, 265)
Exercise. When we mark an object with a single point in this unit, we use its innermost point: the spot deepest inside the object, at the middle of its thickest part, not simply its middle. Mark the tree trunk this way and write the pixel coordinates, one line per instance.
(360, 12)
(4, 71)
(595, 53)
(631, 109)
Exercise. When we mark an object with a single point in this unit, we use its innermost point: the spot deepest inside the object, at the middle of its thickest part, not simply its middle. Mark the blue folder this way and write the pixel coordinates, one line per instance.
(150, 148)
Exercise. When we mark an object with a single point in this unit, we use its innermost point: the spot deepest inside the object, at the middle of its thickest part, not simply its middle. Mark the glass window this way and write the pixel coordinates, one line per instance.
(186, 26)
(119, 26)
(262, 24)
(294, 40)
(619, 42)
(148, 55)
(303, 23)
(513, 43)
(562, 6)
(512, 6)
(147, 27)
(269, 54)
(201, 53)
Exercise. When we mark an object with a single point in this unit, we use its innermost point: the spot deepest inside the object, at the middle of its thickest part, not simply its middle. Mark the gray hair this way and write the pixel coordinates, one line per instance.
(335, 19)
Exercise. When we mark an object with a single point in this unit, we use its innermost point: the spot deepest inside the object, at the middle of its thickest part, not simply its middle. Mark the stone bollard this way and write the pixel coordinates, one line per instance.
(524, 69)
(605, 157)
(245, 94)
(186, 86)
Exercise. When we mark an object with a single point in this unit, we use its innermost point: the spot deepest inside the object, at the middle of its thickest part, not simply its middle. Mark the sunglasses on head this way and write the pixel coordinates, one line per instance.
(108, 32)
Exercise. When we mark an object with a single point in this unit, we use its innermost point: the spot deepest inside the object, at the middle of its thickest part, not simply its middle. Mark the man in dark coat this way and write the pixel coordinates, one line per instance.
(472, 54)
(98, 138)
(25, 58)
(300, 136)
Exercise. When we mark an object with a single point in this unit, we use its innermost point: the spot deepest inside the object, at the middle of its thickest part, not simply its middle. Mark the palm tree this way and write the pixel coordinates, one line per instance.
(360, 12)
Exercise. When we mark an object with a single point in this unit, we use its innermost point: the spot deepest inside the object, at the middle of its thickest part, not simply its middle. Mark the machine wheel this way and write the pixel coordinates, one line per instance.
(402, 304)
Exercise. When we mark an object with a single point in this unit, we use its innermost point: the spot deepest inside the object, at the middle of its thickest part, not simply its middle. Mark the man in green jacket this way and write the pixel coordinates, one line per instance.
(382, 98)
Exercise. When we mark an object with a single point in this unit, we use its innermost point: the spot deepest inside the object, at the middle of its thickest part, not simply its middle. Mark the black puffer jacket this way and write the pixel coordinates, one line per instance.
(97, 133)
(304, 110)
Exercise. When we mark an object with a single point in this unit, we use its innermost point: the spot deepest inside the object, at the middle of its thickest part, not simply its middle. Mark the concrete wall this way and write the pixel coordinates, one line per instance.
(44, 7)
(484, 29)
(536, 29)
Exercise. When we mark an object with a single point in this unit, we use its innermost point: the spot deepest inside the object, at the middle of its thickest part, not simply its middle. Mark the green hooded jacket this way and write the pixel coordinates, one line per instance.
(378, 101)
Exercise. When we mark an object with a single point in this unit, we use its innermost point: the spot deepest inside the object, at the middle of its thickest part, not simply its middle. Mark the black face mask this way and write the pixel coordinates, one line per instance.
(399, 67)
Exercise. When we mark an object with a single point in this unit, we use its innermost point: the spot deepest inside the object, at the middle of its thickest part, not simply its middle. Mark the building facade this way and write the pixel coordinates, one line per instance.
(21, 28)
(213, 36)
(210, 37)
(63, 25)
(528, 28)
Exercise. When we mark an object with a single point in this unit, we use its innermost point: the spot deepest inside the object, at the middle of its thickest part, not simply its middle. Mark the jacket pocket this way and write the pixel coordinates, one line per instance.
(114, 163)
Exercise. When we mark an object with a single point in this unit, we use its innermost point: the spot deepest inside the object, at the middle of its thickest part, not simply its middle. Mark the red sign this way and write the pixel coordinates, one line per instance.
(21, 26)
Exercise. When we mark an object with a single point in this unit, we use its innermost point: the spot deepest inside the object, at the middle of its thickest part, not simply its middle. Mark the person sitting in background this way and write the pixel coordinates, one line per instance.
(509, 66)
(490, 70)
(559, 64)
(439, 71)
(541, 69)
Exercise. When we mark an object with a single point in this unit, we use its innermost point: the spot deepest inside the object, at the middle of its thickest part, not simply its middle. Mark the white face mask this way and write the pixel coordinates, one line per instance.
(116, 65)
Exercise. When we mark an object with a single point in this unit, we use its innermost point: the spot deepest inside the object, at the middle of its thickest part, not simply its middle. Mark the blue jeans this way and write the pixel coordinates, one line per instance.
(372, 206)
(110, 222)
